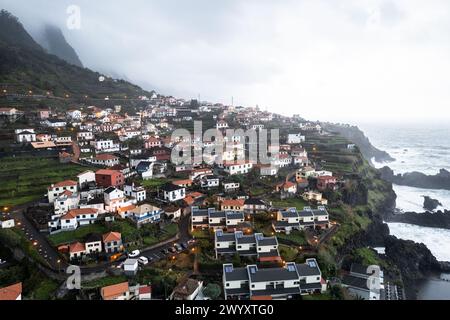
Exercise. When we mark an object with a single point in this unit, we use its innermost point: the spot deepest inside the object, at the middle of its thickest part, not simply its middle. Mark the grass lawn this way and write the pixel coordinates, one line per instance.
(76, 235)
(297, 237)
(45, 290)
(103, 282)
(26, 179)
(298, 203)
(125, 227)
(153, 184)
(288, 253)
(324, 296)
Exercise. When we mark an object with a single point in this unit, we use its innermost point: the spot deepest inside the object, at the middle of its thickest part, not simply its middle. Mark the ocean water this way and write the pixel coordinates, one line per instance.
(423, 148)
(410, 199)
(415, 147)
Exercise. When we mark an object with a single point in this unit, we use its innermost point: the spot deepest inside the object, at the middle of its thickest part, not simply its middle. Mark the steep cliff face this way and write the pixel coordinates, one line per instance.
(53, 40)
(355, 135)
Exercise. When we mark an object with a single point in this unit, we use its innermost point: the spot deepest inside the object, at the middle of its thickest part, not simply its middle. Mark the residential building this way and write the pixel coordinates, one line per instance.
(145, 213)
(237, 168)
(292, 219)
(114, 198)
(295, 138)
(136, 192)
(119, 291)
(209, 181)
(112, 242)
(285, 282)
(93, 243)
(25, 135)
(188, 289)
(232, 205)
(246, 245)
(231, 186)
(77, 250)
(107, 178)
(364, 282)
(130, 267)
(107, 160)
(86, 178)
(172, 193)
(254, 205)
(56, 189)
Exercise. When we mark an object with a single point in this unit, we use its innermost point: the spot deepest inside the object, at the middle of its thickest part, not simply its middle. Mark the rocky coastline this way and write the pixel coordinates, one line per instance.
(415, 179)
(439, 219)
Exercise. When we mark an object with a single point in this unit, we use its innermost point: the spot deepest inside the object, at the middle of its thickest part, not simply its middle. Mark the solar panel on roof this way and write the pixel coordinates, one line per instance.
(312, 264)
(291, 268)
(259, 237)
(228, 269)
(253, 270)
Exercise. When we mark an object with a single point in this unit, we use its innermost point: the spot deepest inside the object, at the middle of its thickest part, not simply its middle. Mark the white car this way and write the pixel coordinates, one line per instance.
(143, 260)
(134, 254)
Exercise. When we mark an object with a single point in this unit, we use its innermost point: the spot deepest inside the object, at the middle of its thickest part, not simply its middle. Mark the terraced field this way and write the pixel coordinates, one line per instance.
(25, 179)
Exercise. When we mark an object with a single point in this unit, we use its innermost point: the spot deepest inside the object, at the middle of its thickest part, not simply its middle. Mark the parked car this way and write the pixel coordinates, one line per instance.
(143, 260)
(192, 241)
(2, 261)
(134, 254)
(164, 251)
(172, 250)
(178, 247)
(184, 245)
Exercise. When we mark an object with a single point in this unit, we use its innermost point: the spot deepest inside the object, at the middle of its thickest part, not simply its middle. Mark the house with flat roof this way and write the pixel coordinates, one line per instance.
(292, 219)
(265, 249)
(252, 282)
(210, 218)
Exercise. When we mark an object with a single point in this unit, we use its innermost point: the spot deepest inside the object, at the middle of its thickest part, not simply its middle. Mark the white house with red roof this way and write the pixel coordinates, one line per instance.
(56, 189)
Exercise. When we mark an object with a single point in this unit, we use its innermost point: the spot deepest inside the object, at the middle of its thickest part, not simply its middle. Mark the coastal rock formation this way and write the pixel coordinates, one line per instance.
(430, 204)
(439, 219)
(440, 180)
(414, 260)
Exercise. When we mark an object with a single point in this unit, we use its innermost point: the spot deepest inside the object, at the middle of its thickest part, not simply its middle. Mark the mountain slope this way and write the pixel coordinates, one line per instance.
(24, 66)
(55, 43)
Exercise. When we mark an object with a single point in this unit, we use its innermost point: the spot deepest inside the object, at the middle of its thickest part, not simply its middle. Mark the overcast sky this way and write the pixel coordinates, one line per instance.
(349, 60)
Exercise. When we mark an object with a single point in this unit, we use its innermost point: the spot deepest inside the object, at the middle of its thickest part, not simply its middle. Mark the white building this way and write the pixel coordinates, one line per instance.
(56, 189)
(237, 168)
(285, 282)
(295, 138)
(136, 192)
(172, 193)
(25, 135)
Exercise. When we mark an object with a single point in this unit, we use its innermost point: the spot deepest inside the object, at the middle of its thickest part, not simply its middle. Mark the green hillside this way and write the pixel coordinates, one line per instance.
(25, 66)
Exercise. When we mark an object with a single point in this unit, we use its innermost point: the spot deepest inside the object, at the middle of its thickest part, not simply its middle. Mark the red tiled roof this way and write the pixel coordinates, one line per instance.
(112, 236)
(77, 247)
(232, 202)
(76, 212)
(105, 157)
(114, 291)
(145, 290)
(11, 292)
(107, 172)
(66, 183)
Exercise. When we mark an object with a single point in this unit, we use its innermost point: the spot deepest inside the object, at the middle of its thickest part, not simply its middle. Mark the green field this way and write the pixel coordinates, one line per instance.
(25, 179)
(129, 232)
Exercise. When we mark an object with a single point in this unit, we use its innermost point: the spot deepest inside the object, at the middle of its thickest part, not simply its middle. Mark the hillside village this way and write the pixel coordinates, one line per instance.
(236, 229)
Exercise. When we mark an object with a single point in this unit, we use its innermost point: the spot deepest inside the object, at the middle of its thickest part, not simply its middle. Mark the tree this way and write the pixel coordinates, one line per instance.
(212, 290)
